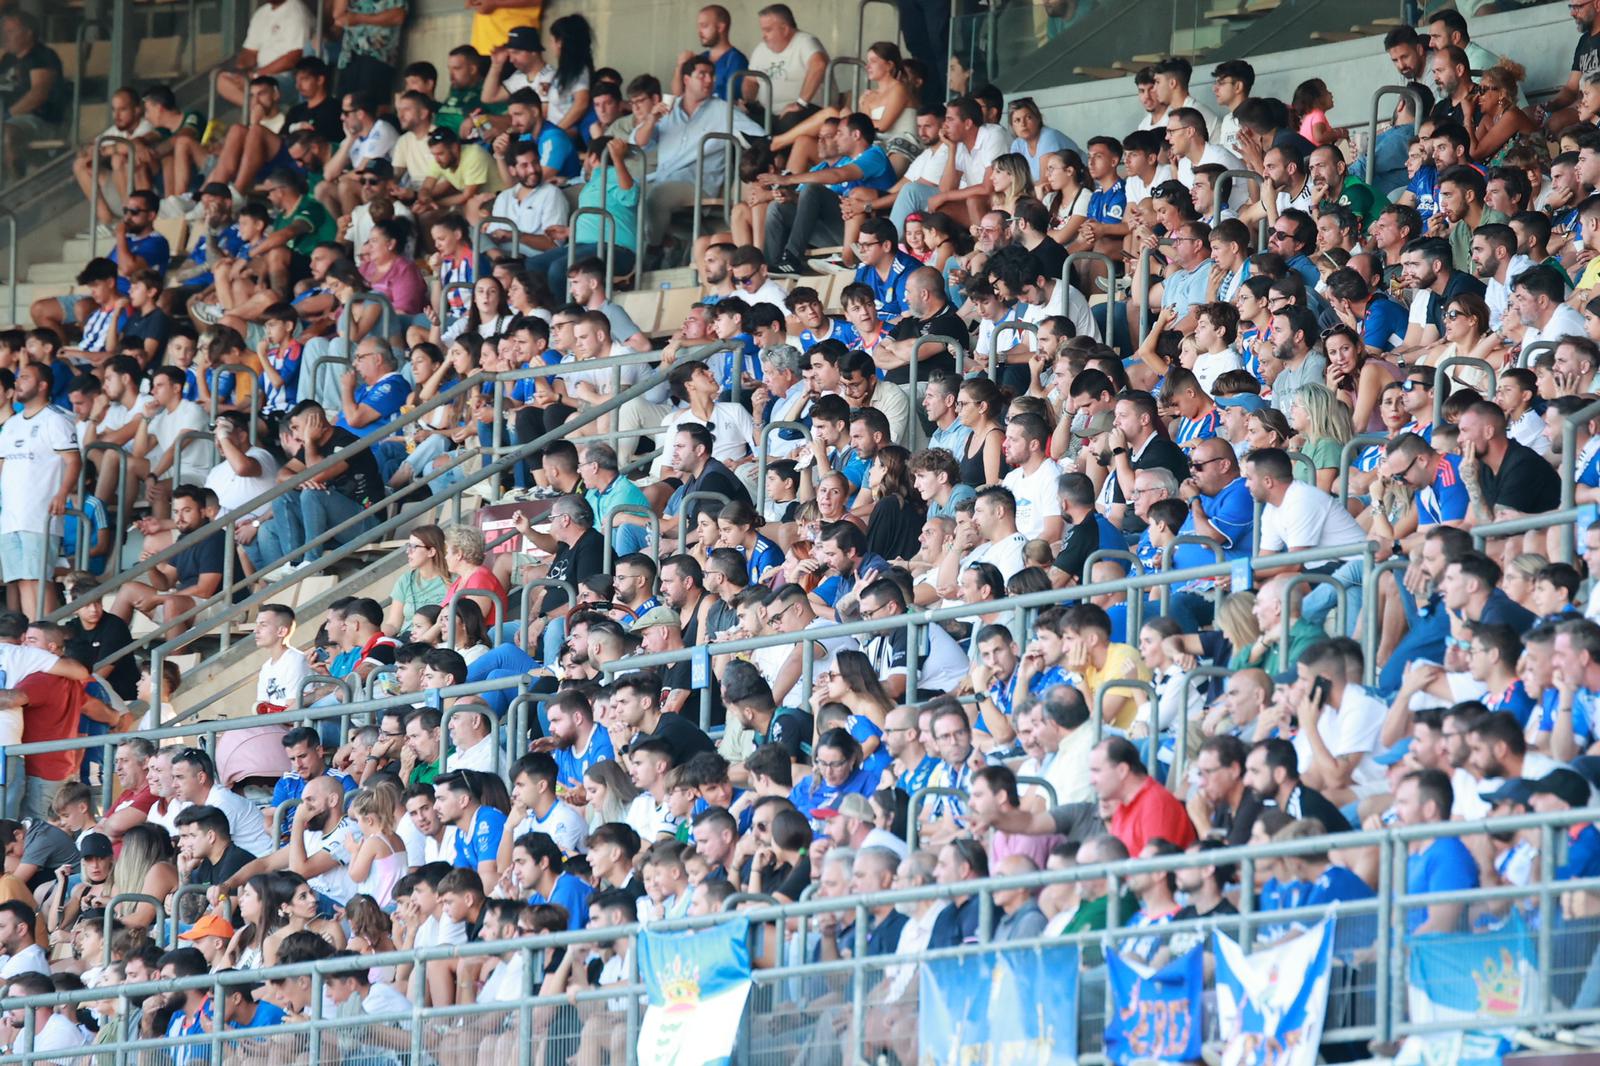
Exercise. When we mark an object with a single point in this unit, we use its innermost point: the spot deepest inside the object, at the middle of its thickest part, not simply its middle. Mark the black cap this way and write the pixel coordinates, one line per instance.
(1518, 790)
(524, 39)
(378, 167)
(443, 135)
(1566, 785)
(95, 846)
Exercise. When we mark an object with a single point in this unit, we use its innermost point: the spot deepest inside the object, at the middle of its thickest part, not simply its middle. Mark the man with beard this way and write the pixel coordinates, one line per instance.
(189, 577)
(322, 842)
(574, 739)
(1295, 355)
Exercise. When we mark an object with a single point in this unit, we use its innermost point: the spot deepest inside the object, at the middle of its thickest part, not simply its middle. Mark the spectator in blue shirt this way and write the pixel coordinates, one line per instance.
(371, 394)
(138, 246)
(1567, 790)
(814, 218)
(1441, 494)
(712, 26)
(1442, 864)
(536, 867)
(1382, 321)
(884, 268)
(476, 828)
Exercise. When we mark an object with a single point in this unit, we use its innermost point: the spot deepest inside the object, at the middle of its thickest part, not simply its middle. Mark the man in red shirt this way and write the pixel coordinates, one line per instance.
(1142, 809)
(133, 805)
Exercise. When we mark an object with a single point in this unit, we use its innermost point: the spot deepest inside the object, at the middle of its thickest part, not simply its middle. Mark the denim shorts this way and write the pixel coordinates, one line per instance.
(23, 556)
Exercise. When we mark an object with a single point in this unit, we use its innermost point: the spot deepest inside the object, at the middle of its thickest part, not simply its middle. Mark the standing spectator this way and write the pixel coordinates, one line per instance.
(794, 61)
(712, 26)
(493, 21)
(39, 464)
(369, 46)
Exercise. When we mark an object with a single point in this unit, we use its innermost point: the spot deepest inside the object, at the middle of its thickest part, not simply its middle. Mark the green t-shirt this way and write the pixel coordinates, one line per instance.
(411, 593)
(1324, 453)
(319, 225)
(463, 102)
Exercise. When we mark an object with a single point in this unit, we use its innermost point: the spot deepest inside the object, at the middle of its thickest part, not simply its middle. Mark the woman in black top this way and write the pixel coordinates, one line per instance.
(978, 407)
(899, 512)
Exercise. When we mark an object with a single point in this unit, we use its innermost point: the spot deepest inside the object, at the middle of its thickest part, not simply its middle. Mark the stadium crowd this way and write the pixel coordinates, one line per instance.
(1275, 399)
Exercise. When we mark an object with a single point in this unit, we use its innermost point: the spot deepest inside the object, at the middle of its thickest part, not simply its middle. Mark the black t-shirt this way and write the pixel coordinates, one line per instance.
(89, 646)
(791, 728)
(1586, 56)
(324, 118)
(943, 323)
(234, 858)
(682, 736)
(1083, 538)
(679, 677)
(714, 477)
(574, 563)
(895, 525)
(360, 480)
(154, 326)
(1445, 111)
(205, 558)
(1460, 282)
(1052, 257)
(798, 881)
(16, 78)
(1235, 825)
(1309, 803)
(1159, 452)
(1524, 482)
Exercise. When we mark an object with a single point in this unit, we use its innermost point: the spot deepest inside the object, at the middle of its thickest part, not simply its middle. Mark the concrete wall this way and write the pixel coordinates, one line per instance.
(646, 35)
(1540, 38)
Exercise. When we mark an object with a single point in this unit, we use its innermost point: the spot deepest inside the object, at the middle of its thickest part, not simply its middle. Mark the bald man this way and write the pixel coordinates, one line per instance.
(931, 316)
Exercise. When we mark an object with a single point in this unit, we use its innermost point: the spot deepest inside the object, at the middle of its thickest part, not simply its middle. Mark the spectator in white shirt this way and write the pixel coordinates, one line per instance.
(1032, 480)
(472, 733)
(534, 205)
(194, 776)
(22, 953)
(795, 63)
(366, 137)
(1296, 516)
(278, 684)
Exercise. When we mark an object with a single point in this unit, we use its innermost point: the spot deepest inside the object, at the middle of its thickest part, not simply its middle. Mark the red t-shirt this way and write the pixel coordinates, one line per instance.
(140, 798)
(1152, 812)
(481, 578)
(54, 704)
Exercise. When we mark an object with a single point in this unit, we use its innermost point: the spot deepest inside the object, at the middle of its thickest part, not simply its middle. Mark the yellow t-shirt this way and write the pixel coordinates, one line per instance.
(490, 31)
(473, 168)
(1591, 275)
(1122, 660)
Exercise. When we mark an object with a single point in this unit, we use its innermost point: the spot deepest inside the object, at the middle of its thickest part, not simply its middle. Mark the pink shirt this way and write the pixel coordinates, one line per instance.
(402, 284)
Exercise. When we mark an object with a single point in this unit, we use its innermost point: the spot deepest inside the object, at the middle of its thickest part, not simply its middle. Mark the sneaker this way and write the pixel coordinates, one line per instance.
(208, 314)
(176, 206)
(104, 232)
(789, 264)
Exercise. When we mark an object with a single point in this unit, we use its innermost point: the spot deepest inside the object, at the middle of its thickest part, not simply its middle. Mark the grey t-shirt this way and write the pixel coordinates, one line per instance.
(48, 848)
(622, 326)
(1313, 368)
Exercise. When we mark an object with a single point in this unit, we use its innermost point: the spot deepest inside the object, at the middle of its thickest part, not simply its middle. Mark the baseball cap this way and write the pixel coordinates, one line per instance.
(655, 616)
(524, 39)
(208, 925)
(95, 846)
(443, 135)
(1513, 790)
(1566, 785)
(857, 806)
(1249, 401)
(378, 167)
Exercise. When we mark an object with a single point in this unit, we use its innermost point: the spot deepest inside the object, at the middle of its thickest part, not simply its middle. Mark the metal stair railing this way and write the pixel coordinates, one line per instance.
(414, 511)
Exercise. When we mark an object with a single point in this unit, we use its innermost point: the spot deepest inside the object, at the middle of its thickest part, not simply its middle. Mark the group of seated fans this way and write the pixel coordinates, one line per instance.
(981, 420)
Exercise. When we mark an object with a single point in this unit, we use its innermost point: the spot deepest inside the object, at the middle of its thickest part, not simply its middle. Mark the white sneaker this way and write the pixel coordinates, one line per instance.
(176, 206)
(104, 232)
(208, 314)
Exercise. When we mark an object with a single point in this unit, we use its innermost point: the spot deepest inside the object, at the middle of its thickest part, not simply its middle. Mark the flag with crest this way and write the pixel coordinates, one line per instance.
(1014, 1005)
(1483, 977)
(697, 983)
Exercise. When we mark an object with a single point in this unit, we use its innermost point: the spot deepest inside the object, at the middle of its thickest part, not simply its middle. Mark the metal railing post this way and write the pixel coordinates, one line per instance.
(1219, 200)
(481, 227)
(1347, 454)
(730, 170)
(449, 632)
(94, 185)
(13, 279)
(735, 90)
(1412, 96)
(1439, 378)
(761, 455)
(1133, 684)
(636, 510)
(1294, 581)
(608, 242)
(1141, 281)
(1110, 267)
(913, 822)
(831, 91)
(1164, 597)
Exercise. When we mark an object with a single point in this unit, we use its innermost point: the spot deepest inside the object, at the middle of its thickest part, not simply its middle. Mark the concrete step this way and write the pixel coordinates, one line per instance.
(27, 292)
(55, 273)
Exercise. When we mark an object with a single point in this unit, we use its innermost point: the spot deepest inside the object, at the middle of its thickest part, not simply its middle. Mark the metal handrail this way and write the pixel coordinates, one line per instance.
(831, 91)
(1219, 200)
(1197, 540)
(1141, 281)
(1110, 267)
(610, 524)
(177, 907)
(1304, 460)
(1391, 901)
(407, 514)
(608, 243)
(1292, 582)
(958, 345)
(1015, 325)
(110, 915)
(861, 22)
(482, 711)
(444, 300)
(74, 123)
(1347, 453)
(448, 635)
(480, 227)
(913, 823)
(187, 437)
(730, 170)
(241, 374)
(1564, 518)
(735, 89)
(1530, 352)
(1569, 472)
(1439, 377)
(1378, 94)
(1135, 685)
(761, 456)
(94, 185)
(363, 443)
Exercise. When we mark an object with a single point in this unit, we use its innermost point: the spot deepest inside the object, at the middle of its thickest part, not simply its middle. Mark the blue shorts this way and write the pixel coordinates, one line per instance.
(25, 556)
(69, 309)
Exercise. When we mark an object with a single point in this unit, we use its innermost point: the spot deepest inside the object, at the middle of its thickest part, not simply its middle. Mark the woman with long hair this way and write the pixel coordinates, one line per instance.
(380, 861)
(738, 527)
(263, 903)
(1357, 376)
(1065, 176)
(898, 511)
(610, 791)
(1179, 698)
(1364, 472)
(1011, 181)
(471, 637)
(422, 582)
(1491, 115)
(529, 295)
(300, 916)
(978, 407)
(1267, 428)
(147, 865)
(564, 84)
(489, 315)
(854, 683)
(889, 101)
(943, 239)
(1323, 422)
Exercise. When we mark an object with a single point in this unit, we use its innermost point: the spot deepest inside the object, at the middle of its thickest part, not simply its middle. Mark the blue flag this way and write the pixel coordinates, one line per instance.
(1155, 1014)
(1017, 1005)
(697, 984)
(1483, 976)
(1270, 1004)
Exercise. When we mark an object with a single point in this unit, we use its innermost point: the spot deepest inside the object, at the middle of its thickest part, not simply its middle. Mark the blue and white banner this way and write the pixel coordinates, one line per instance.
(1482, 977)
(697, 984)
(1018, 1005)
(1270, 1004)
(1155, 1014)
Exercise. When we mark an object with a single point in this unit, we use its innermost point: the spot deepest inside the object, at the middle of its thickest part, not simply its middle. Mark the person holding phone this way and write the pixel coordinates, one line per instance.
(1339, 723)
